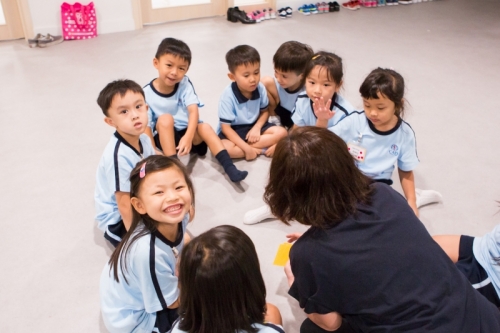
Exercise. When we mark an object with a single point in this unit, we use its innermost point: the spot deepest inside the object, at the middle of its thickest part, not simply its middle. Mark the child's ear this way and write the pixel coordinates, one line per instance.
(138, 206)
(231, 76)
(109, 121)
(155, 62)
(339, 86)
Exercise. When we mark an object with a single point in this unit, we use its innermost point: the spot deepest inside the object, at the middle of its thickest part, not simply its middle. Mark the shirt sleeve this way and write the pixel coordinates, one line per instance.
(122, 168)
(344, 127)
(189, 96)
(264, 100)
(226, 111)
(408, 159)
(297, 115)
(147, 146)
(151, 118)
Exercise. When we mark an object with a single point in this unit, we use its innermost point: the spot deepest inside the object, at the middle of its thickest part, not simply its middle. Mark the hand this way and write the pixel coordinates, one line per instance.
(289, 274)
(293, 237)
(184, 146)
(322, 110)
(270, 151)
(253, 135)
(250, 154)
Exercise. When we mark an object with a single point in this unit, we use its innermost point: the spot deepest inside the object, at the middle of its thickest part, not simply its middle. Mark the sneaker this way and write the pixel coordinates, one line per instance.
(272, 14)
(274, 120)
(381, 3)
(289, 12)
(351, 5)
(331, 9)
(319, 6)
(304, 9)
(313, 9)
(282, 13)
(49, 40)
(242, 16)
(426, 197)
(336, 6)
(257, 215)
(260, 15)
(34, 42)
(405, 2)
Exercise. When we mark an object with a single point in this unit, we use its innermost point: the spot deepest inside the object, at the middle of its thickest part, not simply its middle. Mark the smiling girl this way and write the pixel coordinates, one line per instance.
(139, 288)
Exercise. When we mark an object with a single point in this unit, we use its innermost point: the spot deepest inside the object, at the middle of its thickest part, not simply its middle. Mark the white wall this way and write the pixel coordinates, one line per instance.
(112, 15)
(294, 3)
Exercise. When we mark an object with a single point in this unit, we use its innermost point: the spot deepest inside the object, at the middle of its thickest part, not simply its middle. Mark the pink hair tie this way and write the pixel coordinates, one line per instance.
(142, 172)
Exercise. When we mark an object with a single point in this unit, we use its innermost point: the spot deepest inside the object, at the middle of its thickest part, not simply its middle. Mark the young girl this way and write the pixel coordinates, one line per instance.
(221, 287)
(138, 288)
(478, 259)
(378, 137)
(324, 78)
(366, 263)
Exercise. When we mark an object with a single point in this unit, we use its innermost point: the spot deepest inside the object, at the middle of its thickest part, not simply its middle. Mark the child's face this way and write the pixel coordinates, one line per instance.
(128, 114)
(247, 77)
(288, 80)
(318, 84)
(171, 69)
(381, 112)
(164, 196)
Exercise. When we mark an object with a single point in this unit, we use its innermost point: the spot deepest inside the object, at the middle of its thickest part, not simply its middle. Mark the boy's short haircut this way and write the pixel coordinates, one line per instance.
(241, 55)
(114, 88)
(174, 47)
(292, 56)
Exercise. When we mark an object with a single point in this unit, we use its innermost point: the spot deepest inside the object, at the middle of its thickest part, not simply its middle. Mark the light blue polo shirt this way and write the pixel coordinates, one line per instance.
(152, 284)
(261, 328)
(175, 103)
(303, 114)
(287, 97)
(486, 249)
(383, 149)
(113, 173)
(236, 109)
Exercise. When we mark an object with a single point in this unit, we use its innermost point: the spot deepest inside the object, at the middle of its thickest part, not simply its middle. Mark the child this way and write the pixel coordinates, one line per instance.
(378, 137)
(138, 288)
(324, 78)
(290, 62)
(221, 286)
(123, 105)
(243, 114)
(478, 259)
(366, 262)
(173, 115)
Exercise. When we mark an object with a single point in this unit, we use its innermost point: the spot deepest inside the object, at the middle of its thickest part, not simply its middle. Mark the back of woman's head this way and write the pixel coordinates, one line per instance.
(221, 286)
(149, 165)
(313, 179)
(388, 83)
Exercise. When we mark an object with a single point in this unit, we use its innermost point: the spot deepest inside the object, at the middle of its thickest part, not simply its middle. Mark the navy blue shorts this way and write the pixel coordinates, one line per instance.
(475, 273)
(285, 116)
(242, 130)
(200, 149)
(117, 229)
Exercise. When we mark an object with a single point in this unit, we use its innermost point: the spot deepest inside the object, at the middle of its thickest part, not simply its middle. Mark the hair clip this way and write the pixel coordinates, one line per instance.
(316, 56)
(142, 172)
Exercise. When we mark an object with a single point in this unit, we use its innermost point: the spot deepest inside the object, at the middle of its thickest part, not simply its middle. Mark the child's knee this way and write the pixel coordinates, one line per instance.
(165, 121)
(280, 132)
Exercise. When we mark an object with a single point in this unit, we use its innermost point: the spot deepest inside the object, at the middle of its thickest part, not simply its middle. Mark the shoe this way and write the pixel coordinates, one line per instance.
(289, 12)
(313, 9)
(426, 197)
(34, 42)
(49, 40)
(242, 16)
(381, 3)
(304, 10)
(351, 5)
(266, 14)
(336, 6)
(405, 2)
(272, 14)
(282, 13)
(259, 15)
(257, 215)
(274, 120)
(331, 9)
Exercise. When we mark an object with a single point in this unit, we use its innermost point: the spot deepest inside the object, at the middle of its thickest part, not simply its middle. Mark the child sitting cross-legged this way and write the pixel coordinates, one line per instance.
(174, 124)
(243, 115)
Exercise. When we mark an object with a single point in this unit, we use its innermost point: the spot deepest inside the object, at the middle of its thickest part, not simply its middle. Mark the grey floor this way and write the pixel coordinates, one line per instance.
(53, 134)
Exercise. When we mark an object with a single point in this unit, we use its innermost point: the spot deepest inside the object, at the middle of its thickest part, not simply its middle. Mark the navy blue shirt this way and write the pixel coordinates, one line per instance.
(384, 273)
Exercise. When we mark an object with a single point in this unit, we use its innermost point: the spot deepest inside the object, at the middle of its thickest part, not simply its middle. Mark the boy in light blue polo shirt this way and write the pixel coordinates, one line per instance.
(123, 104)
(174, 125)
(243, 115)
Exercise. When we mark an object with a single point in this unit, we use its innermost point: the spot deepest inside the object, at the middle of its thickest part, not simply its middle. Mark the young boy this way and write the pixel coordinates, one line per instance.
(174, 125)
(125, 109)
(290, 62)
(243, 114)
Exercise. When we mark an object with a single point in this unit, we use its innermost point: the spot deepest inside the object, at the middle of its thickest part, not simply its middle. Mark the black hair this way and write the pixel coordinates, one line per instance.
(221, 286)
(292, 56)
(118, 87)
(174, 47)
(241, 55)
(388, 83)
(154, 163)
(331, 62)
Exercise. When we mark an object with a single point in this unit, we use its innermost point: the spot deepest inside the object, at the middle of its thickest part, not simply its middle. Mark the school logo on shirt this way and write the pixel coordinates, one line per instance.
(394, 150)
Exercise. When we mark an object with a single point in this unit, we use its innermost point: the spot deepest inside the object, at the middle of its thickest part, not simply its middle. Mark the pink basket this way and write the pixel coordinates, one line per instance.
(78, 21)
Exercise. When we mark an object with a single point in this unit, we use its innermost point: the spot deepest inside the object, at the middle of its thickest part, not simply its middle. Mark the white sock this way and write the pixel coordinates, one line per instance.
(426, 197)
(257, 215)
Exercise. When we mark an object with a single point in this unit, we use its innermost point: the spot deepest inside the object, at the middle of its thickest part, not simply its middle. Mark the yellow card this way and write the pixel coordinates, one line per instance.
(283, 254)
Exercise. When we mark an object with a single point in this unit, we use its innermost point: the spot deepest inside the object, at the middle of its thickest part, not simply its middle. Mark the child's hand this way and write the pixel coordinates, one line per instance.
(322, 110)
(253, 135)
(184, 146)
(251, 153)
(270, 151)
(293, 237)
